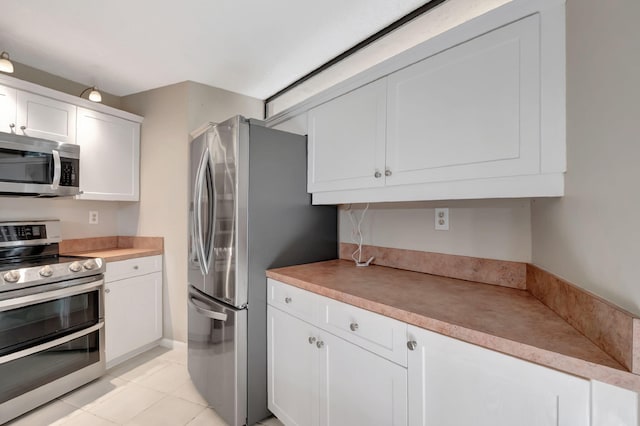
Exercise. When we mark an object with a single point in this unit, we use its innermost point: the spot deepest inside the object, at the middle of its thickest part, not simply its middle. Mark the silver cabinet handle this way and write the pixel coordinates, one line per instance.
(23, 128)
(135, 267)
(57, 169)
(312, 340)
(12, 126)
(387, 172)
(319, 344)
(106, 290)
(287, 300)
(412, 345)
(377, 175)
(354, 326)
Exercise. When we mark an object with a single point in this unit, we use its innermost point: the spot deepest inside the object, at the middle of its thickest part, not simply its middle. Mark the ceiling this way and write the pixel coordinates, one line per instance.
(251, 47)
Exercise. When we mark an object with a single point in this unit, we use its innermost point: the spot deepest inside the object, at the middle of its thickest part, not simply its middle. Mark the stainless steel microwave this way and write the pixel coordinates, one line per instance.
(38, 167)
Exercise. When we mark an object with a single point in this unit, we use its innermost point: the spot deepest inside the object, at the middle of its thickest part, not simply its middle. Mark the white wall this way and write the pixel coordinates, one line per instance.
(495, 229)
(170, 113)
(591, 236)
(73, 214)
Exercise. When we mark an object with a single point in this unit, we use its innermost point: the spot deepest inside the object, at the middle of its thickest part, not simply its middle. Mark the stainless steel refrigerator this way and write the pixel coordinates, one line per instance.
(248, 211)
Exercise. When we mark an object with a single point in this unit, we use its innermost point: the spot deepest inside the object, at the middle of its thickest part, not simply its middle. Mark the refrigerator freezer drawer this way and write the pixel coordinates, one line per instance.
(218, 355)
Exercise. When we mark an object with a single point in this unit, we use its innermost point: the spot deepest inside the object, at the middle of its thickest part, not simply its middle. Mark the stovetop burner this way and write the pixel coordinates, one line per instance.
(29, 256)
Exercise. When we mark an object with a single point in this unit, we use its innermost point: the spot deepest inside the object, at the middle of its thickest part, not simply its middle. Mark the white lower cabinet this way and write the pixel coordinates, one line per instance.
(457, 383)
(293, 369)
(133, 307)
(358, 387)
(318, 379)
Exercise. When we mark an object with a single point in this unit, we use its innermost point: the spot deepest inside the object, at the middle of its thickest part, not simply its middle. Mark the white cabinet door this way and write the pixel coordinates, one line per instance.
(612, 405)
(109, 157)
(454, 383)
(7, 109)
(46, 118)
(292, 372)
(347, 140)
(469, 112)
(133, 314)
(358, 387)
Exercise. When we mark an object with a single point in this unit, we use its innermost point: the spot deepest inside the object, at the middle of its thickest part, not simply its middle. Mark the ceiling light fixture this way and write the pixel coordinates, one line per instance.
(5, 63)
(94, 94)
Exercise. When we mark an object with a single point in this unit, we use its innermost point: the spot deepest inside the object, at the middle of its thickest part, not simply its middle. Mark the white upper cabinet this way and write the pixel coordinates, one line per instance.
(109, 139)
(109, 156)
(476, 112)
(7, 109)
(469, 112)
(347, 140)
(46, 118)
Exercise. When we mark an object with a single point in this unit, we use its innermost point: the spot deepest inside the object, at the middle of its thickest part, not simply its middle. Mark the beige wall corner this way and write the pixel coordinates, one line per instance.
(590, 236)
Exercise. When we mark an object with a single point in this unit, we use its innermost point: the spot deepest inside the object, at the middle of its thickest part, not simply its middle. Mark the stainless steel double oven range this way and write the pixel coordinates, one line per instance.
(51, 317)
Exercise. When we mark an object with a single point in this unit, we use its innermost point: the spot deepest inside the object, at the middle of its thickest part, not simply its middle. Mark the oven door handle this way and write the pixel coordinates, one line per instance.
(57, 169)
(43, 347)
(32, 299)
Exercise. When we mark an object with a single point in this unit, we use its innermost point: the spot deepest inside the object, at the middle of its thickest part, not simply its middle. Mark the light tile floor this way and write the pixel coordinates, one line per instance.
(152, 389)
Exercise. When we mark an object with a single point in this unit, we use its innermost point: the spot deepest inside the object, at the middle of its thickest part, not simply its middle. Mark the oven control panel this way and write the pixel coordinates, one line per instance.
(18, 233)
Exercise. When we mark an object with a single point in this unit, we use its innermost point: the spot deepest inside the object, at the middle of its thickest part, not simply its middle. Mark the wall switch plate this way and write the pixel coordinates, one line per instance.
(93, 217)
(442, 219)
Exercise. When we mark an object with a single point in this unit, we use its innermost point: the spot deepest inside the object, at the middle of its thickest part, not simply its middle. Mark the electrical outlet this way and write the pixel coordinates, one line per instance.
(442, 219)
(93, 217)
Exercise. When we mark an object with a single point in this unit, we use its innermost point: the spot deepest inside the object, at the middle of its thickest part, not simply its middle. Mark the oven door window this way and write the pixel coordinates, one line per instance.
(25, 166)
(32, 325)
(27, 373)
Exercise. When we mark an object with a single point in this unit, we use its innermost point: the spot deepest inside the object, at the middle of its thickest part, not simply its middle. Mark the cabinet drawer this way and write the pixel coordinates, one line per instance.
(295, 301)
(381, 335)
(132, 268)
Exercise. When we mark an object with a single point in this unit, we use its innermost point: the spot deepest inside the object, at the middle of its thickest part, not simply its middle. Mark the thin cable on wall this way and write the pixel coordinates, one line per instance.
(356, 236)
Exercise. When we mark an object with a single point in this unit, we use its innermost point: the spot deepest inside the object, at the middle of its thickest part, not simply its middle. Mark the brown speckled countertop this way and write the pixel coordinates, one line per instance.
(112, 249)
(507, 320)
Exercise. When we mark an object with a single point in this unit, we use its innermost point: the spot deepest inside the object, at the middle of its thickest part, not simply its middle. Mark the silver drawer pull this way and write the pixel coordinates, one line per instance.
(412, 345)
(319, 344)
(135, 267)
(312, 340)
(106, 290)
(353, 326)
(287, 300)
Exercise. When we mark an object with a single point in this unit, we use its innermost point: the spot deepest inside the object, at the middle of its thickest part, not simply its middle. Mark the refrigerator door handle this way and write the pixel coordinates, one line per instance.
(197, 211)
(218, 316)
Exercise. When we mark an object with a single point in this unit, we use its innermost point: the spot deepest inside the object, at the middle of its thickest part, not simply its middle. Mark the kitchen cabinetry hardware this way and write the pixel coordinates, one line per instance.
(319, 344)
(287, 300)
(412, 345)
(387, 172)
(312, 340)
(12, 126)
(377, 174)
(135, 267)
(23, 128)
(107, 290)
(353, 326)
